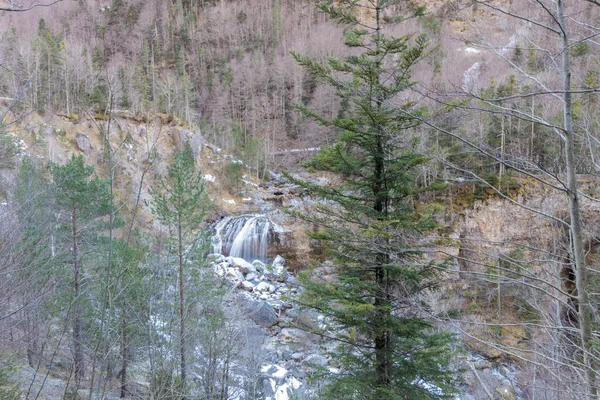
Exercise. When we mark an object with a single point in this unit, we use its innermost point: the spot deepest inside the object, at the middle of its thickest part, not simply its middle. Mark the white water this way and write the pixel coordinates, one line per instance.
(245, 236)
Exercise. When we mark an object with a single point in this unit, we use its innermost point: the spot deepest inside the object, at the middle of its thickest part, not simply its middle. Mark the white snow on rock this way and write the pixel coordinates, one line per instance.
(209, 178)
(472, 50)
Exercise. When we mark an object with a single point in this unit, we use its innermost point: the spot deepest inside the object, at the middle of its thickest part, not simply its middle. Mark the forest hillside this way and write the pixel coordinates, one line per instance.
(291, 199)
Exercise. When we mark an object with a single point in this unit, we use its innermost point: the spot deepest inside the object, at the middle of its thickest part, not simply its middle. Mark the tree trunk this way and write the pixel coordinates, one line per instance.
(77, 327)
(381, 302)
(181, 309)
(576, 228)
(124, 356)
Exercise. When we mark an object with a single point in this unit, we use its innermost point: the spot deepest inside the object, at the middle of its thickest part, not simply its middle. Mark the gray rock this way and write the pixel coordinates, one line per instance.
(297, 372)
(292, 281)
(196, 141)
(229, 282)
(251, 276)
(268, 389)
(263, 287)
(179, 138)
(262, 313)
(241, 264)
(259, 265)
(247, 286)
(83, 142)
(279, 261)
(233, 273)
(297, 356)
(219, 258)
(300, 336)
(316, 359)
(308, 319)
(271, 370)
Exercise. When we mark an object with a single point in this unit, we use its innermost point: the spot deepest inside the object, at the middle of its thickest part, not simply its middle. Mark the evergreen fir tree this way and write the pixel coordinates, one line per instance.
(82, 198)
(387, 350)
(180, 201)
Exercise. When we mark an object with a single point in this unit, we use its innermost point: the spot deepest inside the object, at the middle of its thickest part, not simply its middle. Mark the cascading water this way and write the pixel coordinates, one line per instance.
(244, 236)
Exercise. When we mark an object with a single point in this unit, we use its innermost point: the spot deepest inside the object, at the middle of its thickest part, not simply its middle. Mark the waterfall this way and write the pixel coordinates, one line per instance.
(244, 236)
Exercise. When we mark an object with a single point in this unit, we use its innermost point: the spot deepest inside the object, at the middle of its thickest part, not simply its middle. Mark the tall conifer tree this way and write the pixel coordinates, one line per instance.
(369, 225)
(181, 202)
(82, 197)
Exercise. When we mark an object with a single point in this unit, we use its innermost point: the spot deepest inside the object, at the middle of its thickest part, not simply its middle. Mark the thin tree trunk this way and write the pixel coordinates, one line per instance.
(576, 228)
(124, 356)
(181, 309)
(77, 327)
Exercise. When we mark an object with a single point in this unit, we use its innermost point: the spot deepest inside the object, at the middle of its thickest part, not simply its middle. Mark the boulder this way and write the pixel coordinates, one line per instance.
(196, 141)
(259, 265)
(308, 319)
(241, 264)
(250, 276)
(83, 142)
(234, 274)
(279, 261)
(264, 287)
(262, 313)
(292, 281)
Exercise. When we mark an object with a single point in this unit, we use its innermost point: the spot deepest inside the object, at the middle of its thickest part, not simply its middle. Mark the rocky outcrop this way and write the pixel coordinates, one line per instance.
(83, 142)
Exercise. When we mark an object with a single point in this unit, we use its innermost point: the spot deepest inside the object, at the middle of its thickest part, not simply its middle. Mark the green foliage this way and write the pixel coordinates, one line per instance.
(8, 149)
(518, 54)
(124, 101)
(580, 49)
(369, 224)
(164, 384)
(77, 189)
(247, 147)
(431, 24)
(180, 198)
(233, 173)
(534, 63)
(50, 50)
(9, 387)
(32, 195)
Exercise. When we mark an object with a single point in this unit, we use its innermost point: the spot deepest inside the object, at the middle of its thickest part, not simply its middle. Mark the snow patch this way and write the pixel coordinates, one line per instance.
(469, 77)
(209, 178)
(472, 50)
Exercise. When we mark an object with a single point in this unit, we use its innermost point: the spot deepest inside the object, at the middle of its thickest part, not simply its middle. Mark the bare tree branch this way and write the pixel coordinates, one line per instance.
(21, 7)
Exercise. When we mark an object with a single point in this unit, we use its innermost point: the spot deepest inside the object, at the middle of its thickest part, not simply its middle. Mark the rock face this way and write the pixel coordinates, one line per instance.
(83, 142)
(182, 137)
